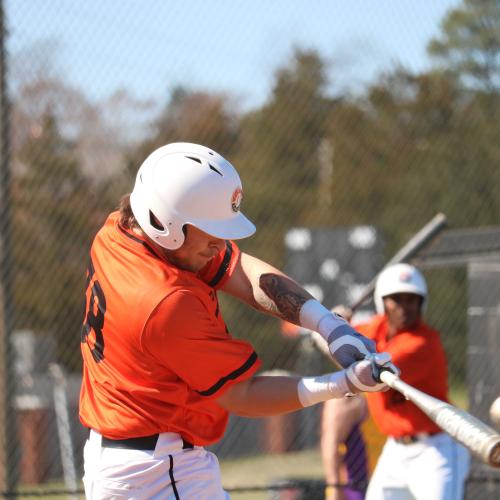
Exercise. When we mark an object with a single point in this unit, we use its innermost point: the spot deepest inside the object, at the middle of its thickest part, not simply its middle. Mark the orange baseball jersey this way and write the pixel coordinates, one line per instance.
(420, 356)
(156, 351)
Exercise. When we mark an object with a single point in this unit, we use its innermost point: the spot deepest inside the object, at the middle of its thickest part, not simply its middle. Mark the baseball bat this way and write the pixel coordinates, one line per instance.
(409, 250)
(475, 435)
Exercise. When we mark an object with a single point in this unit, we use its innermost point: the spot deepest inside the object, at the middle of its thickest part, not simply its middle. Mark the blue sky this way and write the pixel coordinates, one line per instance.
(149, 46)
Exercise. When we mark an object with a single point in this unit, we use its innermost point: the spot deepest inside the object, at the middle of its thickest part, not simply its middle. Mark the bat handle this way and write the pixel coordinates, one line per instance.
(385, 375)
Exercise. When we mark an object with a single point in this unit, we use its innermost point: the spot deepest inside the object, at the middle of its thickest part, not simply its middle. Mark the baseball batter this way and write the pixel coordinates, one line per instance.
(418, 461)
(161, 371)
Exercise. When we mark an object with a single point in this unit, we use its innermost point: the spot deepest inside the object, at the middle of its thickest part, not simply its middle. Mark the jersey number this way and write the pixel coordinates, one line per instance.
(94, 320)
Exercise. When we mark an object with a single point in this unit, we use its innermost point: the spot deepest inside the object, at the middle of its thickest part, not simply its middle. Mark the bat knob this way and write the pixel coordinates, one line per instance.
(494, 458)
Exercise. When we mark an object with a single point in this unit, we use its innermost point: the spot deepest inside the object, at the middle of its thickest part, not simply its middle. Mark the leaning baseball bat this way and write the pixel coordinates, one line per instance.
(409, 250)
(475, 435)
(406, 252)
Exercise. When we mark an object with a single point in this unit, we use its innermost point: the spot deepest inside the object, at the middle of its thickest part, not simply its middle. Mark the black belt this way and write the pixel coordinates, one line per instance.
(139, 443)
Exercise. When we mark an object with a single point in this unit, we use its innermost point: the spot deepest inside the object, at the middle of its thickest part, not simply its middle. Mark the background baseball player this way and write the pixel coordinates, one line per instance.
(161, 371)
(418, 461)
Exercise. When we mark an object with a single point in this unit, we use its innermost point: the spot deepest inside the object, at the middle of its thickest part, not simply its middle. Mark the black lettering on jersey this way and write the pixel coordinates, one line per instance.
(94, 319)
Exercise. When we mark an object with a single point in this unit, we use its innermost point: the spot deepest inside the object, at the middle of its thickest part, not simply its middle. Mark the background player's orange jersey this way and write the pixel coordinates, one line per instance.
(413, 352)
(158, 366)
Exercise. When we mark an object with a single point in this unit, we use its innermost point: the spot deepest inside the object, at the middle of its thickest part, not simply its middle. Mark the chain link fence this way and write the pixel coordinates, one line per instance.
(314, 158)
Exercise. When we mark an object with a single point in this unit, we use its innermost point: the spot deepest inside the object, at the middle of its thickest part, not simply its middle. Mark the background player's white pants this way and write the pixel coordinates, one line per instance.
(167, 473)
(434, 468)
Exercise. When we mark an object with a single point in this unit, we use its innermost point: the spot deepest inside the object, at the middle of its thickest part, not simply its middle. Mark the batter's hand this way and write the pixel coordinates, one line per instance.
(347, 346)
(363, 376)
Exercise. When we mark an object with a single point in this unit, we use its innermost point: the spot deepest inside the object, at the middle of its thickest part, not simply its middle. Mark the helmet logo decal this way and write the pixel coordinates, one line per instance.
(236, 199)
(404, 276)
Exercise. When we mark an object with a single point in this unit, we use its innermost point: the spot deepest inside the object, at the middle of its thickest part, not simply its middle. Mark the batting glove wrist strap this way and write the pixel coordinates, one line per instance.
(346, 345)
(315, 316)
(313, 390)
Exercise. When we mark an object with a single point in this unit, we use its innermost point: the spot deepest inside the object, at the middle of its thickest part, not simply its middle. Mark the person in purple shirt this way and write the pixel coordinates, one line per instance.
(343, 448)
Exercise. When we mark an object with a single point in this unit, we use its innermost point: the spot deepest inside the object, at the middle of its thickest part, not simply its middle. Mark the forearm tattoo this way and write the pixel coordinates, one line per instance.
(284, 299)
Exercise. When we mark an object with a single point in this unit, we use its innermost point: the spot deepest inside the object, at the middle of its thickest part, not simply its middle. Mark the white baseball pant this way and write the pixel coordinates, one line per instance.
(433, 468)
(168, 472)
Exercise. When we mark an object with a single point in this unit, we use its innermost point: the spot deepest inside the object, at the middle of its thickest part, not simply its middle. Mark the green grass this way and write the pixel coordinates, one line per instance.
(39, 491)
(264, 470)
(459, 396)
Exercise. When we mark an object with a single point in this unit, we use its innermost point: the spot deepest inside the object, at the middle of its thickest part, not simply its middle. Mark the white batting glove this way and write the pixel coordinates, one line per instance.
(363, 376)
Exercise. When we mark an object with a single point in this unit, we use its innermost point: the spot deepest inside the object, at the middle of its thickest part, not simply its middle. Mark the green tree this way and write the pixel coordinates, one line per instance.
(278, 157)
(53, 219)
(469, 44)
(196, 117)
(279, 165)
(414, 146)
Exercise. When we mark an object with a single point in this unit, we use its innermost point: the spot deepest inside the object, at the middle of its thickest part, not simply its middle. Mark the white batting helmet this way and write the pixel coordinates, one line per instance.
(399, 278)
(183, 183)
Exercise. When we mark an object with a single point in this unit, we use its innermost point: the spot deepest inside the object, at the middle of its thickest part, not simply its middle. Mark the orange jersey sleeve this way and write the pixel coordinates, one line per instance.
(188, 335)
(421, 358)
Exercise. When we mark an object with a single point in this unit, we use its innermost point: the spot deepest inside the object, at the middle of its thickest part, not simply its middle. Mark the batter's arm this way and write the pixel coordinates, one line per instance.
(271, 291)
(266, 288)
(266, 395)
(262, 396)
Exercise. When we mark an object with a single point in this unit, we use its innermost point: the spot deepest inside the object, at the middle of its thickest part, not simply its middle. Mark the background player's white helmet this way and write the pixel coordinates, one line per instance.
(399, 278)
(183, 183)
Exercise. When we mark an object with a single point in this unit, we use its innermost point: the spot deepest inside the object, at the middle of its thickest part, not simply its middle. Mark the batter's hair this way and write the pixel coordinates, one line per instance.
(127, 218)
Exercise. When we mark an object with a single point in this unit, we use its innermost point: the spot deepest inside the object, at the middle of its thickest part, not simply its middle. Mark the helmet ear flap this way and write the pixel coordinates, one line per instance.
(154, 228)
